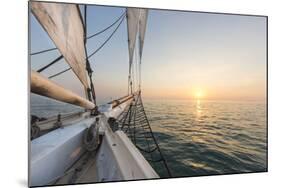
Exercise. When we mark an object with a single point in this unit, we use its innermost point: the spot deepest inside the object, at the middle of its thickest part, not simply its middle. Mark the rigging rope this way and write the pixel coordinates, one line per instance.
(107, 38)
(43, 51)
(53, 62)
(139, 64)
(133, 76)
(107, 27)
(140, 74)
(89, 37)
(135, 124)
(54, 75)
(96, 49)
(136, 66)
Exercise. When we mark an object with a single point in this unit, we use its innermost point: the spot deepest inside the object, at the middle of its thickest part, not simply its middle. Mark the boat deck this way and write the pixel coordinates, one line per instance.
(83, 171)
(60, 157)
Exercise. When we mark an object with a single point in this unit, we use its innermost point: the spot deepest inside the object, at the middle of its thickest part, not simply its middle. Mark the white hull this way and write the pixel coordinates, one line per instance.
(116, 159)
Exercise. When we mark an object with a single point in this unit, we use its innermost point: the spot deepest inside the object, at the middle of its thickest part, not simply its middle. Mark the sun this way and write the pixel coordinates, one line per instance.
(199, 94)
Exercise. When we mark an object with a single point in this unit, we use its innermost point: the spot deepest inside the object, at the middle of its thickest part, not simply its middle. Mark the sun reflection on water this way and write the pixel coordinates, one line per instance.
(211, 136)
(198, 107)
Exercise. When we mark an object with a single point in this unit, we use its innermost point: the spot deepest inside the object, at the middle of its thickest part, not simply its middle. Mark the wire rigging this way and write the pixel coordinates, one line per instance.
(43, 51)
(137, 62)
(107, 27)
(89, 37)
(53, 62)
(59, 73)
(135, 72)
(133, 76)
(98, 49)
(140, 75)
(108, 38)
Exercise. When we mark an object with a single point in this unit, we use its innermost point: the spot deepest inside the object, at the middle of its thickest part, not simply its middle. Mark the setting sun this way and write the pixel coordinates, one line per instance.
(199, 94)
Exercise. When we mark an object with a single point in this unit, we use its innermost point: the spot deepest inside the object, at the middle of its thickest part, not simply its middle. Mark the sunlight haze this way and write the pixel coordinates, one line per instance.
(186, 55)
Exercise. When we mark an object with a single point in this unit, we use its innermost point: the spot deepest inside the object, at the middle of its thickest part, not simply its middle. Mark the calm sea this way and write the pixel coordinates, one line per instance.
(210, 137)
(199, 137)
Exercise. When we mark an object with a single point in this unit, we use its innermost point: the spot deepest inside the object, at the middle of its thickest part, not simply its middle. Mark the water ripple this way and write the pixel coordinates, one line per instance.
(217, 138)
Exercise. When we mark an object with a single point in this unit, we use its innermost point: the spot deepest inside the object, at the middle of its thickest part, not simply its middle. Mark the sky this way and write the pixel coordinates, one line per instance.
(186, 55)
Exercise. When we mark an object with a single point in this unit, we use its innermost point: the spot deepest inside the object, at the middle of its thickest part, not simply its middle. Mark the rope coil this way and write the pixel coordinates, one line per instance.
(91, 137)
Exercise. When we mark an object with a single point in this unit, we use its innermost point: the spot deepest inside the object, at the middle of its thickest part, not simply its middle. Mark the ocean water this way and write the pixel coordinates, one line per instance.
(210, 137)
(198, 137)
(46, 107)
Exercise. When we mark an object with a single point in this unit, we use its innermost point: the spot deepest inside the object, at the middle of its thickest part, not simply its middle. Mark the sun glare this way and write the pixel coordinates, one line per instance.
(198, 94)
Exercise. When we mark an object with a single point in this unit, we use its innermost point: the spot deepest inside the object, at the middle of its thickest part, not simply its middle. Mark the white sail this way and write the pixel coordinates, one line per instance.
(132, 26)
(142, 28)
(64, 25)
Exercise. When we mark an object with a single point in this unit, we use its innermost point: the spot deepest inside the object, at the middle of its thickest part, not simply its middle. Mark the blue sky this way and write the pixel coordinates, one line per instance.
(222, 56)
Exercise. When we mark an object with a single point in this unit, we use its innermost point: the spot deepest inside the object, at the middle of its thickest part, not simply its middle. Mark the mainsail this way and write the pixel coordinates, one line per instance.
(142, 28)
(132, 26)
(64, 25)
(136, 25)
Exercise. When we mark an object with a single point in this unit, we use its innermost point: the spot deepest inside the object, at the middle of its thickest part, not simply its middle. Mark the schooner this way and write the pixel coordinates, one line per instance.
(109, 142)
